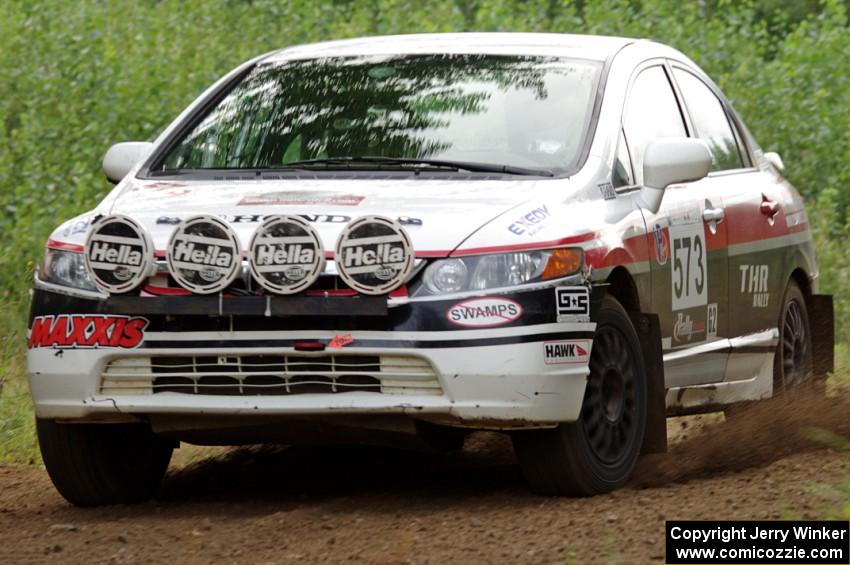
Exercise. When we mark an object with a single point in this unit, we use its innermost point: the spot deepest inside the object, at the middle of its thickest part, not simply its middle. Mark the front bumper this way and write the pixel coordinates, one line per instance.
(410, 361)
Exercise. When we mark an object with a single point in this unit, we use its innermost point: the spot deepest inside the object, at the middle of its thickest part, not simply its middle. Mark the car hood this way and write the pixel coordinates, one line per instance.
(439, 215)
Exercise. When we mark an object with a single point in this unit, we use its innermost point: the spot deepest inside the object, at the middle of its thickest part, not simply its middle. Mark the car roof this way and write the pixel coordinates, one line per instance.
(593, 47)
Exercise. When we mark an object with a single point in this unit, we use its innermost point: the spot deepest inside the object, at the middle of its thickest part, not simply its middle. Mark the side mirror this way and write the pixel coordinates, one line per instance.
(122, 157)
(672, 161)
(774, 159)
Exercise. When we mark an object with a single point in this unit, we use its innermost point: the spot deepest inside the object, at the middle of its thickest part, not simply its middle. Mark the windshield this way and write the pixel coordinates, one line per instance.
(494, 110)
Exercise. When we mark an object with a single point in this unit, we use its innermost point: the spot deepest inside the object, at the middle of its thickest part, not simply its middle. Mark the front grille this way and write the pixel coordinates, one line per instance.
(270, 374)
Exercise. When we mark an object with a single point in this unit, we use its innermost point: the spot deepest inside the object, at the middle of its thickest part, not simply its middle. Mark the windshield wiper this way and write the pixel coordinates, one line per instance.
(438, 163)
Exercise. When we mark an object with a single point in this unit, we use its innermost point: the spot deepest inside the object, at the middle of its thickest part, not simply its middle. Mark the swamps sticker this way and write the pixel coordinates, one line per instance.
(83, 331)
(484, 312)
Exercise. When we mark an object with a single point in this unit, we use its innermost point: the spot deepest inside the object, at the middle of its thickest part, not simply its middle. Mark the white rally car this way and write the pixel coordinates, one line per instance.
(566, 238)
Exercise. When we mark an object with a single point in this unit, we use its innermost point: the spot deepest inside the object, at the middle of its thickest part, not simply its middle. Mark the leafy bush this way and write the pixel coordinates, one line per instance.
(78, 76)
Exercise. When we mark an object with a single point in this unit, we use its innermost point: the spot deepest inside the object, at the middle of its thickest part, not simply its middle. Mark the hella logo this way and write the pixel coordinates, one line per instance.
(209, 255)
(204, 254)
(381, 254)
(374, 255)
(285, 254)
(105, 252)
(119, 253)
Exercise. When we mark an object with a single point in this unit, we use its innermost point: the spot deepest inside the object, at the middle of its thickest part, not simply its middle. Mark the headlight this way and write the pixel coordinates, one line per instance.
(485, 272)
(66, 268)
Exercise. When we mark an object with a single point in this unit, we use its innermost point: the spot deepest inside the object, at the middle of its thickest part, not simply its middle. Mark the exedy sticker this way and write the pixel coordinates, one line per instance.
(531, 222)
(566, 352)
(84, 331)
(484, 312)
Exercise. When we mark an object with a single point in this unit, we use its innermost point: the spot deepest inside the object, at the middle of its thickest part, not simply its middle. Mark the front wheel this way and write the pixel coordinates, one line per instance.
(100, 464)
(596, 453)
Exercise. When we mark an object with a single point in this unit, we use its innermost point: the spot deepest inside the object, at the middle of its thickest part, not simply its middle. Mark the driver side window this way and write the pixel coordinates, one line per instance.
(651, 113)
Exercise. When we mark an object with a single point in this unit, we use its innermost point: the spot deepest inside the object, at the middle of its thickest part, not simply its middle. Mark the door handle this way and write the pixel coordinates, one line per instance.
(768, 207)
(713, 215)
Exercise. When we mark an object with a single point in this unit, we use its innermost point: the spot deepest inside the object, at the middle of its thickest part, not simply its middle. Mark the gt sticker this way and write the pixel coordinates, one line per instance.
(484, 312)
(690, 270)
(119, 253)
(204, 254)
(572, 300)
(285, 254)
(83, 331)
(374, 255)
(566, 352)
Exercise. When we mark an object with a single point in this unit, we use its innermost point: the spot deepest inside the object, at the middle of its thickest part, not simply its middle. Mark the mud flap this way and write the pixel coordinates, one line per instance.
(649, 334)
(822, 323)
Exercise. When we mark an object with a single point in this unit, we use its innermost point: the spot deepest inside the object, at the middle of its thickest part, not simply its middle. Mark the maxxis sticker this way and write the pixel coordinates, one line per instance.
(87, 331)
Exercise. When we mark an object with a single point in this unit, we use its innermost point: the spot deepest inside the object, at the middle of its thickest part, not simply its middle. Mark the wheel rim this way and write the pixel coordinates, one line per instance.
(608, 412)
(795, 346)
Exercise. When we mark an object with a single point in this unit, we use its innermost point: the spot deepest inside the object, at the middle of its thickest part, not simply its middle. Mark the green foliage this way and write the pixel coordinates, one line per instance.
(77, 76)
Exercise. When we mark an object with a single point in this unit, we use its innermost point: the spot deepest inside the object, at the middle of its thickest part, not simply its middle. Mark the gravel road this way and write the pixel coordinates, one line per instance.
(282, 505)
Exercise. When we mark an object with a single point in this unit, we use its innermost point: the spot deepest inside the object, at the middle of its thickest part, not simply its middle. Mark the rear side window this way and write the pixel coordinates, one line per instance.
(651, 113)
(710, 121)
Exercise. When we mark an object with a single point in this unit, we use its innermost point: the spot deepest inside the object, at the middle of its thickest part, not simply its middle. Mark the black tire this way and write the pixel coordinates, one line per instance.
(101, 464)
(793, 363)
(597, 453)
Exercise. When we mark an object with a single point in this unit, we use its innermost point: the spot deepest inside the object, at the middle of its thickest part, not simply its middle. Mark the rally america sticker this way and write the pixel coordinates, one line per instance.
(285, 254)
(119, 253)
(566, 352)
(204, 254)
(85, 331)
(484, 312)
(374, 255)
(572, 301)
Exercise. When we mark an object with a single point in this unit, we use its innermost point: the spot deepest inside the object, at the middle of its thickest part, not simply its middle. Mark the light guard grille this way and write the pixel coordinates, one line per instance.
(270, 374)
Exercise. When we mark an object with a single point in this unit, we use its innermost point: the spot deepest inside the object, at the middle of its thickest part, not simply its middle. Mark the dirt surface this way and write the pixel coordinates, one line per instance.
(279, 505)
